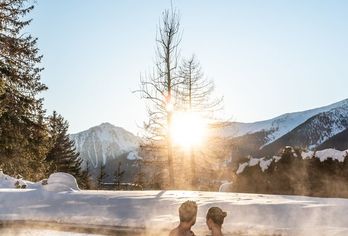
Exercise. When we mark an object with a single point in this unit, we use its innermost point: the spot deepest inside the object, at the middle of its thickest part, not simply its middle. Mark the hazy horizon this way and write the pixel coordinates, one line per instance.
(266, 58)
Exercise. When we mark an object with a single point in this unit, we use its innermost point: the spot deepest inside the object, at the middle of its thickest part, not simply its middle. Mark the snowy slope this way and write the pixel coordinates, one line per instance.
(312, 132)
(278, 126)
(339, 141)
(103, 142)
(329, 123)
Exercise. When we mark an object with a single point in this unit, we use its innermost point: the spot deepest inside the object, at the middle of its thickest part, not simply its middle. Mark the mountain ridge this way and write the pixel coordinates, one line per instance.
(307, 129)
(281, 121)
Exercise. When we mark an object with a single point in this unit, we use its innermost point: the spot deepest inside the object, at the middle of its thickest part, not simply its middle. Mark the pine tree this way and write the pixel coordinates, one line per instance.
(118, 175)
(2, 91)
(23, 132)
(86, 177)
(62, 156)
(102, 176)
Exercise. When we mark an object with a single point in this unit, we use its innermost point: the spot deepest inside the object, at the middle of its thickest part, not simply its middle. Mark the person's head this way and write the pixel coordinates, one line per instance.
(215, 216)
(188, 212)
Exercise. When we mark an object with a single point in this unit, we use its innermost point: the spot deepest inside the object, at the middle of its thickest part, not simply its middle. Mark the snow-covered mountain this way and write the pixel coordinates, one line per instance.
(339, 141)
(313, 132)
(278, 126)
(307, 129)
(105, 142)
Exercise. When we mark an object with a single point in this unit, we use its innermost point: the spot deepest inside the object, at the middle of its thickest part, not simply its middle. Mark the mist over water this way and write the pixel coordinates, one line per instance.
(8, 231)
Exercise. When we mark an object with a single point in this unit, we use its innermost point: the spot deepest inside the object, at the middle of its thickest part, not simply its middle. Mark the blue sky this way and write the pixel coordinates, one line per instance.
(266, 57)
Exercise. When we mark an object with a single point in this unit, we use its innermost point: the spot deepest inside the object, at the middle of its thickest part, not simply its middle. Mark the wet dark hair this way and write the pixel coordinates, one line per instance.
(216, 215)
(187, 211)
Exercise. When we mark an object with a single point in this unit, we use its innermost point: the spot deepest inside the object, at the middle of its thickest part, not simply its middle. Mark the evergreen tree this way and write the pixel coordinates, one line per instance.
(102, 176)
(86, 177)
(118, 175)
(2, 91)
(23, 132)
(62, 156)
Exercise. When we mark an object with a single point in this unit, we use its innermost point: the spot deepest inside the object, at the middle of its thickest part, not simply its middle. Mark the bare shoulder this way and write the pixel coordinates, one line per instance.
(190, 233)
(174, 232)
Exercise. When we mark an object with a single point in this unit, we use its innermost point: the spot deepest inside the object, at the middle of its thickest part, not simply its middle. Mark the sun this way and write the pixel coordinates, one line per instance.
(188, 129)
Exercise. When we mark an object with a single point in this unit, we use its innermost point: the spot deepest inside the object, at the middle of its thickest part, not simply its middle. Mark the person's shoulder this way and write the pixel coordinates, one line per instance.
(190, 233)
(174, 232)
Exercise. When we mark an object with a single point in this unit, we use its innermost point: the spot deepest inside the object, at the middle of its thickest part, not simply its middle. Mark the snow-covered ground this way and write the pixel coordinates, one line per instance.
(248, 214)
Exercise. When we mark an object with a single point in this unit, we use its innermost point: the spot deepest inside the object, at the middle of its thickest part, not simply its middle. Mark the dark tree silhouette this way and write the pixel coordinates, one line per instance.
(101, 177)
(86, 177)
(62, 156)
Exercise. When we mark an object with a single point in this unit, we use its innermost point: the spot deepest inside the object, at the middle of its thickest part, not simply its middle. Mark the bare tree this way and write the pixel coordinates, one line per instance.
(159, 88)
(196, 91)
(196, 96)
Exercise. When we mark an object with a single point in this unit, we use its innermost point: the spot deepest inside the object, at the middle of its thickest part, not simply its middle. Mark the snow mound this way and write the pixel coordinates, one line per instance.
(133, 156)
(225, 187)
(7, 181)
(61, 182)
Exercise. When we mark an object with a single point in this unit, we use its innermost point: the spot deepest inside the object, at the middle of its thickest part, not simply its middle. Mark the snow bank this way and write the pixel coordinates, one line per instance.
(7, 181)
(61, 182)
(57, 182)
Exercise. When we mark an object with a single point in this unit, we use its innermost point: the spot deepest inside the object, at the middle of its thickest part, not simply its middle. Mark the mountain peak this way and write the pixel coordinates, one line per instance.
(106, 124)
(103, 142)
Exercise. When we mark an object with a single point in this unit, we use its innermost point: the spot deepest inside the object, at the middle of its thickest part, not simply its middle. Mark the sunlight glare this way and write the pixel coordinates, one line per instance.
(187, 129)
